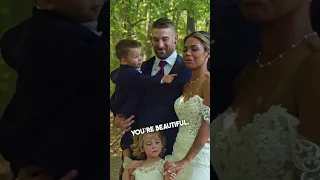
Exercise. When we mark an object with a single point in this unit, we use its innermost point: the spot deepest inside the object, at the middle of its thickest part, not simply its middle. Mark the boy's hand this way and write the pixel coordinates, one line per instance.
(168, 78)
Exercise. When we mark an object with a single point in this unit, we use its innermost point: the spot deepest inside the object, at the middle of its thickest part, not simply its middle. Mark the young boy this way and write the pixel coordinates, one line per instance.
(130, 85)
(56, 121)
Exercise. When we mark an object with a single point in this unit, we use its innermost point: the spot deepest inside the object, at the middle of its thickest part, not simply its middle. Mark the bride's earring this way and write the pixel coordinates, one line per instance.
(207, 58)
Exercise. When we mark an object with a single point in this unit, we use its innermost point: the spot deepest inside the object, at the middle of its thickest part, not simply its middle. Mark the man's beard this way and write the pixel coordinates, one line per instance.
(165, 54)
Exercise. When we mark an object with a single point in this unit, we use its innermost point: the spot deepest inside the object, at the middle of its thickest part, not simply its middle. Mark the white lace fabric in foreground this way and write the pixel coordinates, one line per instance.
(307, 159)
(205, 110)
(193, 111)
(269, 148)
(154, 171)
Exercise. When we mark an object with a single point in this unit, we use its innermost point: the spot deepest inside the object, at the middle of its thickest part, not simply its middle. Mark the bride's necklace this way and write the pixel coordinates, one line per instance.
(285, 52)
(191, 81)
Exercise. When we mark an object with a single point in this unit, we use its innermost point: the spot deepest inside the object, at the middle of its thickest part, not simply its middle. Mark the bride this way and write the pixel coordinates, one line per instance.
(191, 151)
(271, 131)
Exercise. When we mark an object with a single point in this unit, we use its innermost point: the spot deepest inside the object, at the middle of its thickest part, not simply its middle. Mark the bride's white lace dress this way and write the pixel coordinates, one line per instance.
(269, 148)
(194, 112)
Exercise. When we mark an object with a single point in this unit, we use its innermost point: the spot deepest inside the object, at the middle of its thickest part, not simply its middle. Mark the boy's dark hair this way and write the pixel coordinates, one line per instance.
(123, 46)
(163, 23)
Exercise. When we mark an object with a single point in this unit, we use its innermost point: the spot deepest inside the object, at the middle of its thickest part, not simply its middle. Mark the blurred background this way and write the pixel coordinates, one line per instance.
(12, 12)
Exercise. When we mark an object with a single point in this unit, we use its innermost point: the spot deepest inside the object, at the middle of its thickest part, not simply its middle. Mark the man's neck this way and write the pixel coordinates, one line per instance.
(174, 52)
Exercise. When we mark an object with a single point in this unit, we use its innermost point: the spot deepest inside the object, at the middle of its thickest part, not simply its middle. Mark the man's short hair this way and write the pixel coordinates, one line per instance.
(163, 23)
(123, 47)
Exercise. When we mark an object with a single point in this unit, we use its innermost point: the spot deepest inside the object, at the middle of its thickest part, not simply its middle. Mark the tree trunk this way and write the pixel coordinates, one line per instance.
(176, 22)
(148, 47)
(190, 23)
(173, 12)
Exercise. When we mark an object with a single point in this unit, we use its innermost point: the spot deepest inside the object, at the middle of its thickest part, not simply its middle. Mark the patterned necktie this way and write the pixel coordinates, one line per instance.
(161, 65)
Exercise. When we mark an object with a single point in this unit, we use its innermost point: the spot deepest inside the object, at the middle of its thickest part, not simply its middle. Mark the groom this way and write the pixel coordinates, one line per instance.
(157, 105)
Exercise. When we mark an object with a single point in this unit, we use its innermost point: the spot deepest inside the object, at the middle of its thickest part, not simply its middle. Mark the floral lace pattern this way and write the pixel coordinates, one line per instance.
(205, 110)
(266, 149)
(154, 171)
(307, 159)
(194, 112)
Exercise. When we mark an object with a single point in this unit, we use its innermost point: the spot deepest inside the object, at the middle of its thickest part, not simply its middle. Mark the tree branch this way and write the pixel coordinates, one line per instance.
(169, 11)
(139, 21)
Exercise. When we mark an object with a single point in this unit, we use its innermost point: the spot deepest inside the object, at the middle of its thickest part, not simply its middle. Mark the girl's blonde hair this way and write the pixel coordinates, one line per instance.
(138, 142)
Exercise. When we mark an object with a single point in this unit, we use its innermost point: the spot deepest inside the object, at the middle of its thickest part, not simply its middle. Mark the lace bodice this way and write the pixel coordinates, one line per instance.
(269, 148)
(193, 111)
(154, 171)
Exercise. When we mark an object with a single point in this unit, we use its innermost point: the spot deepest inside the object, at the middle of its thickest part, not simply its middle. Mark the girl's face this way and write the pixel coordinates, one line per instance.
(152, 145)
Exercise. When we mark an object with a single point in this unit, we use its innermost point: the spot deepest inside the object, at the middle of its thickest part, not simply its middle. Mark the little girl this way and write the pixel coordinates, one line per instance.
(149, 148)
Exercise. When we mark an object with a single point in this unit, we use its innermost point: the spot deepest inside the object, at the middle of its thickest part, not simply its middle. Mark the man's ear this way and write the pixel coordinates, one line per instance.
(176, 38)
(45, 4)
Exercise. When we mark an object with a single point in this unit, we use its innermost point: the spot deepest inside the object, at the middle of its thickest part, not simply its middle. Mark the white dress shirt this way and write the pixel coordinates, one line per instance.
(168, 67)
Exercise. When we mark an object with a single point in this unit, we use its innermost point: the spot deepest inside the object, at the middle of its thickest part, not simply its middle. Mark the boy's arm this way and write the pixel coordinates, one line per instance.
(137, 80)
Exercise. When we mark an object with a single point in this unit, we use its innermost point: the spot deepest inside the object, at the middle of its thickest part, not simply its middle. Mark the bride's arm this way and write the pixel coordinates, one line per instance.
(203, 134)
(307, 95)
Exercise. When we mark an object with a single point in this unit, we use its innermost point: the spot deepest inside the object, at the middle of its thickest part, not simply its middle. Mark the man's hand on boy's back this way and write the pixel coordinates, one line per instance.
(123, 123)
(168, 78)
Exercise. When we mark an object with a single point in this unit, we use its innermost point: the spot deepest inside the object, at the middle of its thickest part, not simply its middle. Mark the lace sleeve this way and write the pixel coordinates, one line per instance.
(161, 166)
(205, 110)
(126, 161)
(307, 159)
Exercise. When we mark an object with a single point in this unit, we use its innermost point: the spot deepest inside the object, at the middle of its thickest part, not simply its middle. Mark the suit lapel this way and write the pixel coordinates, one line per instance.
(148, 65)
(177, 65)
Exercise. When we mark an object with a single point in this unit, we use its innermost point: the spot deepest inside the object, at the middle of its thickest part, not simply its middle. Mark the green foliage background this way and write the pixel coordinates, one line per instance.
(12, 12)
